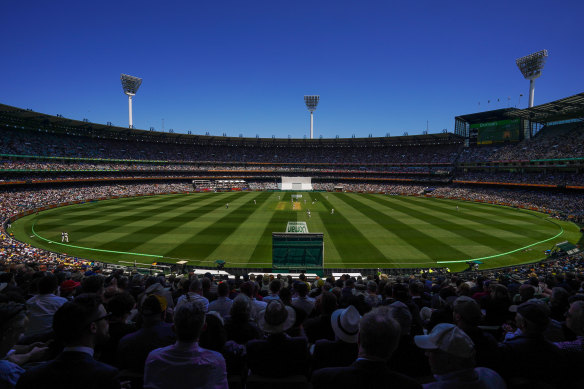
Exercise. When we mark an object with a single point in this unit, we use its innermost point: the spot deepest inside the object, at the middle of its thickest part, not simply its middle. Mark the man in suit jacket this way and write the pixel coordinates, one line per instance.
(80, 324)
(378, 337)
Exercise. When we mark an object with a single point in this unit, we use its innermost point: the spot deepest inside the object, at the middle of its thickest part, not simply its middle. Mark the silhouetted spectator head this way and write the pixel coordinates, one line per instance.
(196, 286)
(467, 310)
(189, 319)
(575, 317)
(301, 288)
(47, 284)
(327, 302)
(153, 308)
(223, 289)
(532, 317)
(378, 334)
(121, 304)
(401, 313)
(93, 284)
(275, 286)
(82, 322)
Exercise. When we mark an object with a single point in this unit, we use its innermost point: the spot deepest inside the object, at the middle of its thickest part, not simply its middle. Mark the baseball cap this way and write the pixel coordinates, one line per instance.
(69, 285)
(535, 311)
(448, 338)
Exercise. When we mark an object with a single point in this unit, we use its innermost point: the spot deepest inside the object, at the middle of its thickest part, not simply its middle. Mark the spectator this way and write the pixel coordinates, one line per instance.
(302, 301)
(185, 363)
(81, 325)
(42, 307)
(195, 294)
(278, 355)
(451, 356)
(378, 338)
(467, 316)
(343, 350)
(239, 325)
(521, 356)
(319, 327)
(155, 333)
(223, 303)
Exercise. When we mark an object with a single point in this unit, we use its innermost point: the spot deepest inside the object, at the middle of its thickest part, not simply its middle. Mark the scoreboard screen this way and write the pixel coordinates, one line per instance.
(498, 132)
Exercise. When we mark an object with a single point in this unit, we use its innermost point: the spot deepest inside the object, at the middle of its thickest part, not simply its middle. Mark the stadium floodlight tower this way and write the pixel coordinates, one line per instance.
(531, 66)
(130, 85)
(311, 103)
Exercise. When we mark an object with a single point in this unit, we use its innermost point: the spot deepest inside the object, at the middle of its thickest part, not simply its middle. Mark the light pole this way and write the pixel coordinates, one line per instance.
(130, 84)
(311, 103)
(531, 66)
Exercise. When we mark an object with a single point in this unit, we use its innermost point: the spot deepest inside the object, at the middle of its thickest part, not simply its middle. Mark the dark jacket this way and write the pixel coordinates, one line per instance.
(278, 356)
(329, 353)
(70, 370)
(361, 374)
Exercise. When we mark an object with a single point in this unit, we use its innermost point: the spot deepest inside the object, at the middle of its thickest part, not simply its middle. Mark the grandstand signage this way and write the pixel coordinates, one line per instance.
(297, 228)
(498, 131)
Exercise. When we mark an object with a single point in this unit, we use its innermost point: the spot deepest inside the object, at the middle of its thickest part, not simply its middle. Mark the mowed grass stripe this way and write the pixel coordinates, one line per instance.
(430, 246)
(317, 224)
(202, 244)
(396, 250)
(96, 208)
(463, 227)
(277, 223)
(132, 239)
(237, 248)
(109, 218)
(493, 220)
(349, 242)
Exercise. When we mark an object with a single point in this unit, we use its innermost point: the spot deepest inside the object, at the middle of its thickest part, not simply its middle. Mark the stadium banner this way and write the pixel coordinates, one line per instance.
(498, 131)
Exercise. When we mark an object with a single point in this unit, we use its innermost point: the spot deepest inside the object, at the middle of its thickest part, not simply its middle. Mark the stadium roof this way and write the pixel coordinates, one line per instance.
(487, 116)
(29, 120)
(564, 109)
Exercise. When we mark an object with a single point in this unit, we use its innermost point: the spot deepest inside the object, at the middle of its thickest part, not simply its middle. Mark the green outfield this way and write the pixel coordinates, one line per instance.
(365, 230)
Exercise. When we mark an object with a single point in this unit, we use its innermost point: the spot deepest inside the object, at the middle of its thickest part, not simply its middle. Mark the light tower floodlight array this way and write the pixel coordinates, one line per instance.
(130, 84)
(531, 66)
(311, 103)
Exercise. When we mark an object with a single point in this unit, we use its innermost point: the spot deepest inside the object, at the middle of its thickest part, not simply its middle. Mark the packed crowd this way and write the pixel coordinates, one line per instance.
(516, 327)
(551, 143)
(555, 178)
(36, 165)
(18, 142)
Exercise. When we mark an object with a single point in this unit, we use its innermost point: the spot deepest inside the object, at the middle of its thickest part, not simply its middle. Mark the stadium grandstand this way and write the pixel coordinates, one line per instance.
(530, 159)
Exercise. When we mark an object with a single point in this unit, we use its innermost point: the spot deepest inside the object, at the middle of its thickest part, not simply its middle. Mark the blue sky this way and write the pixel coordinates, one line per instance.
(243, 67)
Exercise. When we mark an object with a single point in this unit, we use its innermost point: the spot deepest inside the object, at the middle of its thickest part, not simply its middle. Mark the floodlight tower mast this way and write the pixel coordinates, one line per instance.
(130, 84)
(531, 66)
(311, 103)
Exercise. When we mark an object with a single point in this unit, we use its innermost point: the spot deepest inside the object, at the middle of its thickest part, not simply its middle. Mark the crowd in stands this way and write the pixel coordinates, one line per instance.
(524, 178)
(549, 144)
(517, 327)
(18, 142)
(35, 165)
